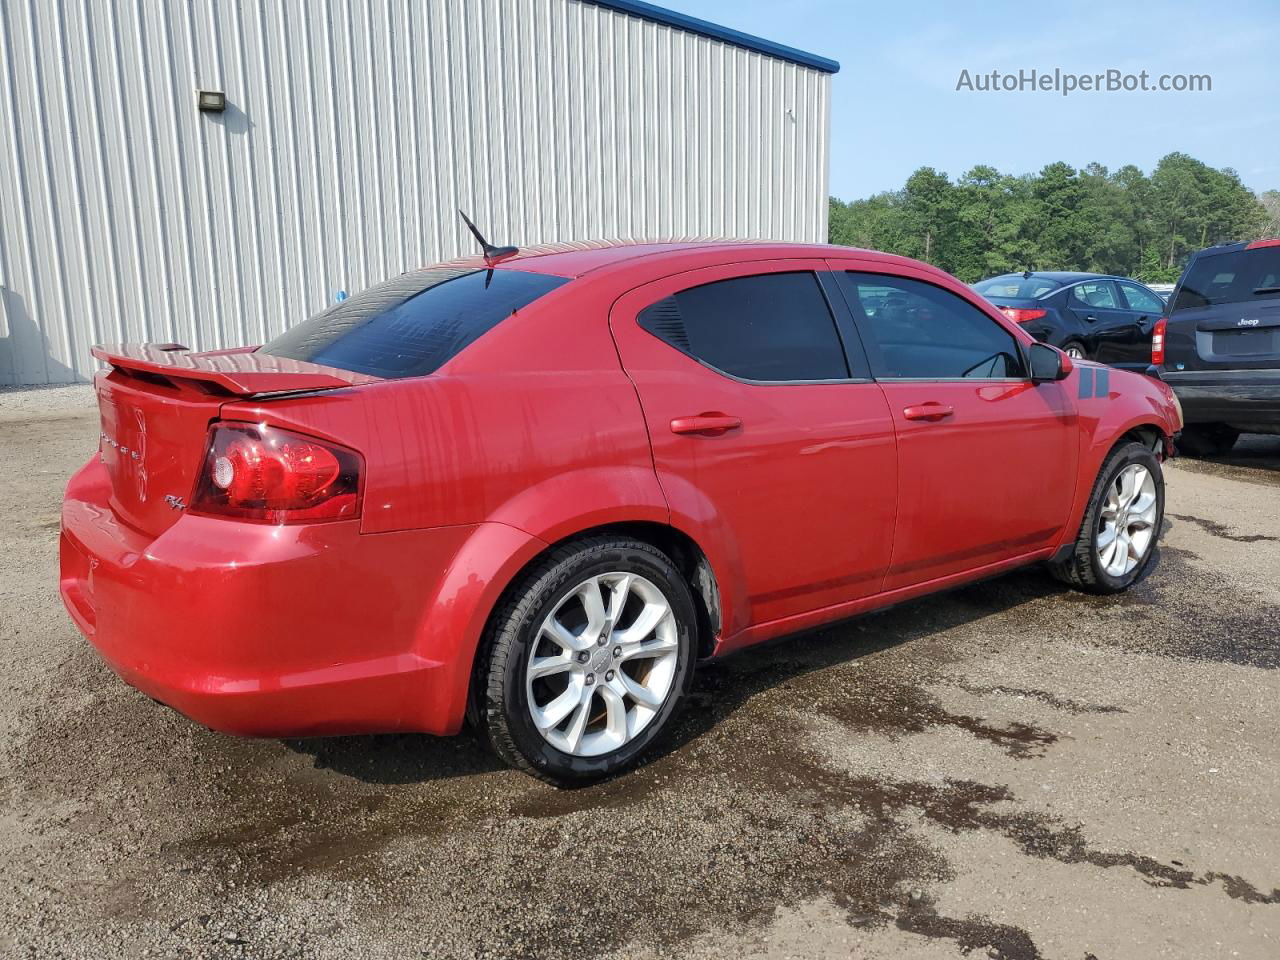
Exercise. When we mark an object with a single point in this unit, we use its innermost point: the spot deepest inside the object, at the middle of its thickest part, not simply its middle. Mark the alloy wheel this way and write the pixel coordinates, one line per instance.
(1075, 352)
(1126, 524)
(602, 664)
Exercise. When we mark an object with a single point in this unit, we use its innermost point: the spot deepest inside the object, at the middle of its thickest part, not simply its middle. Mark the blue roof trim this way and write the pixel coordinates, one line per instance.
(649, 11)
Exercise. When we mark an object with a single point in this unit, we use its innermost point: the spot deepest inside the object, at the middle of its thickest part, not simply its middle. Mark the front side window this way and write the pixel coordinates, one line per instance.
(771, 327)
(1099, 295)
(411, 325)
(1139, 299)
(916, 331)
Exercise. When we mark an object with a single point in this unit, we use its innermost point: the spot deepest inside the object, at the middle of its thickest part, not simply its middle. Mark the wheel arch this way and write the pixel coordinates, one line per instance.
(685, 552)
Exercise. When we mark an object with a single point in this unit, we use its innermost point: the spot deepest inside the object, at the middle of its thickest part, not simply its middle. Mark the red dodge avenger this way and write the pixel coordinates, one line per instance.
(536, 487)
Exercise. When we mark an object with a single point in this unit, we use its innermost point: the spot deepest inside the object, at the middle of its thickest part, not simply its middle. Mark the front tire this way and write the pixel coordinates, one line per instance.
(1121, 525)
(590, 656)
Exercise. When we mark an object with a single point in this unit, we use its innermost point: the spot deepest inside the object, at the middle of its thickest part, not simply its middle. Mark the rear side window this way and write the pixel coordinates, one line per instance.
(916, 331)
(1016, 287)
(412, 325)
(1232, 277)
(771, 327)
(1100, 295)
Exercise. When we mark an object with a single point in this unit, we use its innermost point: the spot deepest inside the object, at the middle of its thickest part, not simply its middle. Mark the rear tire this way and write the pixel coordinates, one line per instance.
(1121, 525)
(1208, 440)
(590, 656)
(1075, 350)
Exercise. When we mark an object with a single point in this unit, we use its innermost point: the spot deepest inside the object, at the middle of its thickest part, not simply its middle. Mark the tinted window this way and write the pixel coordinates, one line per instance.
(1139, 299)
(773, 327)
(1100, 295)
(1016, 286)
(914, 330)
(410, 326)
(1230, 278)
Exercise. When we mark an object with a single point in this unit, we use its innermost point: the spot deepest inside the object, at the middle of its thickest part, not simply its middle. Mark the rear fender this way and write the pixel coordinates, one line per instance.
(454, 619)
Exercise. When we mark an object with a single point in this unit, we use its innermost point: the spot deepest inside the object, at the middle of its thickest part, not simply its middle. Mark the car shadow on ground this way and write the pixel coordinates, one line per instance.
(720, 687)
(401, 758)
(1254, 455)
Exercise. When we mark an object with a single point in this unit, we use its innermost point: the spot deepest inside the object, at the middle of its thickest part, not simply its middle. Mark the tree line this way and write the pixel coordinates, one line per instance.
(1123, 222)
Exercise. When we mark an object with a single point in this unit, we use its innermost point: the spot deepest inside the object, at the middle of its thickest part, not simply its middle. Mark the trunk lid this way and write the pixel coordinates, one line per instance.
(156, 403)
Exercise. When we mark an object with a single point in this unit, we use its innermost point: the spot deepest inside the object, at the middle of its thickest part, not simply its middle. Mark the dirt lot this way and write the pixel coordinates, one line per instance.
(1010, 770)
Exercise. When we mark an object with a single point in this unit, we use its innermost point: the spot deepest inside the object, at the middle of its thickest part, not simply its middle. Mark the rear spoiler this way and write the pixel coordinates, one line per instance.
(241, 372)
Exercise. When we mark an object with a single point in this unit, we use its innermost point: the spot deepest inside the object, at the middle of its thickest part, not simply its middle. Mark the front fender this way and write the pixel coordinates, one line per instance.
(1112, 403)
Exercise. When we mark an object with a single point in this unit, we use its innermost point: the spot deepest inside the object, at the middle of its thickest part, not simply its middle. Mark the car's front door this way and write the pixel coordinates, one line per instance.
(1144, 308)
(764, 439)
(1103, 321)
(986, 458)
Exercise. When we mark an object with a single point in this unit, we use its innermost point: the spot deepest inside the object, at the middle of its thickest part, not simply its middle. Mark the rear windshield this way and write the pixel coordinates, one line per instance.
(1231, 277)
(1016, 287)
(412, 325)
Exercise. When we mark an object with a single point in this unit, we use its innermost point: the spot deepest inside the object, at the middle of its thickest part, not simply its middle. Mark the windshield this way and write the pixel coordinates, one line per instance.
(410, 326)
(1230, 277)
(1016, 286)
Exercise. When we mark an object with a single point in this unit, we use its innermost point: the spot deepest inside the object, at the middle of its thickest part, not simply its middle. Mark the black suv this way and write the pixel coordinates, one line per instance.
(1087, 315)
(1219, 349)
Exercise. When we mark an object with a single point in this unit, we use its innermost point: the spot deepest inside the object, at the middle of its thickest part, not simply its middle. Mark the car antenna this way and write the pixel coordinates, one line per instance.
(1026, 274)
(492, 254)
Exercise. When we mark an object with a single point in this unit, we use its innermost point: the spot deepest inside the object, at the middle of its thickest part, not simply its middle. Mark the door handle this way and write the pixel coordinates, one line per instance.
(705, 424)
(1090, 318)
(932, 412)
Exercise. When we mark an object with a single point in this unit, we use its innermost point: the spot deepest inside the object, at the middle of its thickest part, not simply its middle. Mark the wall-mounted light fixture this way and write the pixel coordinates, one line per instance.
(211, 101)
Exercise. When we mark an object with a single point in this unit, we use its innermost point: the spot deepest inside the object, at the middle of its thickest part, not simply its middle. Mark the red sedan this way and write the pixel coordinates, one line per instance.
(536, 489)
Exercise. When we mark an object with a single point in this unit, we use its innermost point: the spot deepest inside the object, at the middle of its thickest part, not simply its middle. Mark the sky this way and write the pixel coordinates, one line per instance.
(895, 106)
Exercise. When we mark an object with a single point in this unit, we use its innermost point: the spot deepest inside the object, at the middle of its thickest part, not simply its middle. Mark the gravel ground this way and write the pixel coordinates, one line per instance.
(1010, 770)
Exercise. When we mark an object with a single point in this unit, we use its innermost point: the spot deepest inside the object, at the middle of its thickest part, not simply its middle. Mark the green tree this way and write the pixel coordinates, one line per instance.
(1061, 218)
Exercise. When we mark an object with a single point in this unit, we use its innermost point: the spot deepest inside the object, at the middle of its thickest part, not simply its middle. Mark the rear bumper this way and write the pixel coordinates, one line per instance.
(1249, 399)
(270, 631)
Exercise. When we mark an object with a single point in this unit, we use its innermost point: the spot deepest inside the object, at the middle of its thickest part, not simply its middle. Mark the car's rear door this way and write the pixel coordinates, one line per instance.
(1144, 309)
(986, 458)
(1106, 325)
(764, 438)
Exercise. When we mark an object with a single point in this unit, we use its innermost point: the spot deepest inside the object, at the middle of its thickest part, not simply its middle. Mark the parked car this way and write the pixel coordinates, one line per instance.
(1162, 290)
(535, 489)
(1220, 346)
(1086, 315)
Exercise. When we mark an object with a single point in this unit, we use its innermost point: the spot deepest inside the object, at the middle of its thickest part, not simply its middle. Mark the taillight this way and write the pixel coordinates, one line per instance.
(257, 472)
(1021, 314)
(1157, 341)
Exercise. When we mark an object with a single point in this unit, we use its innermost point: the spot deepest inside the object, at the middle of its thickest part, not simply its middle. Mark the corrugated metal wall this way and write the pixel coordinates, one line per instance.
(353, 131)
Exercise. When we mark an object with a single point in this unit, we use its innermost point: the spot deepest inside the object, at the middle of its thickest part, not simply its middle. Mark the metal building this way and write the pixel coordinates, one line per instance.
(351, 131)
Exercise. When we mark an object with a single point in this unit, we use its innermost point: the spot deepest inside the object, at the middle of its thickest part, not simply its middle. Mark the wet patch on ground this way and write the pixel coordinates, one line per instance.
(1064, 704)
(1221, 530)
(897, 709)
(1175, 620)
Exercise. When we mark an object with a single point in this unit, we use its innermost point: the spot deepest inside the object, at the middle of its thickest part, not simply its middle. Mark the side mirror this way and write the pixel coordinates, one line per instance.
(1048, 363)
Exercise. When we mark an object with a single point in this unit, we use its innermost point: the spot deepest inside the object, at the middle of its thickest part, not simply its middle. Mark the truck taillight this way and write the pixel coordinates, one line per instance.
(270, 475)
(1022, 314)
(1157, 341)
